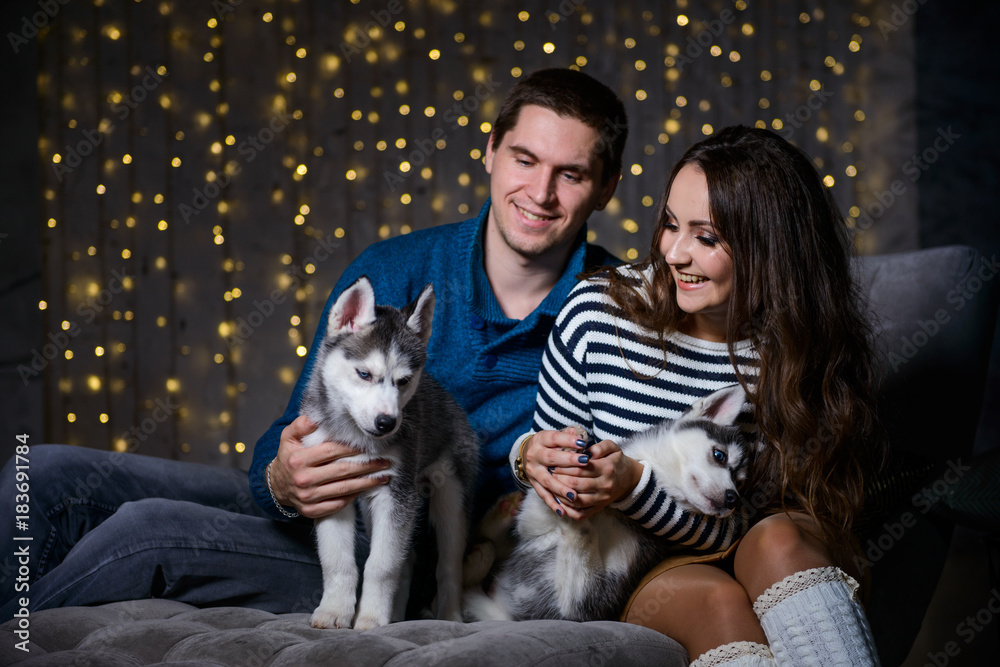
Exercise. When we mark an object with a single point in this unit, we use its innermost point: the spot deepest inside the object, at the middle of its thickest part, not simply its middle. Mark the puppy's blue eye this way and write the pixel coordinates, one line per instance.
(364, 375)
(720, 456)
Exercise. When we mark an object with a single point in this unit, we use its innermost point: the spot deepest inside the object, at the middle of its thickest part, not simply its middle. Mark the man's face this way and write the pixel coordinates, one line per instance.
(545, 180)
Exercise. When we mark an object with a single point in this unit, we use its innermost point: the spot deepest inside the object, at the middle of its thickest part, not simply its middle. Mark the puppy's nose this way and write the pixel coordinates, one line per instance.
(731, 498)
(384, 424)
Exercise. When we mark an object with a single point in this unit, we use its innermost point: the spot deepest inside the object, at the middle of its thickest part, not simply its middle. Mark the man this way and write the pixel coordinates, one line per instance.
(554, 156)
(500, 280)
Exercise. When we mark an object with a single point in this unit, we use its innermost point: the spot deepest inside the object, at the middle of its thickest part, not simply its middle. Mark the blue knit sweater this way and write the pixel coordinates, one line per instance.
(487, 361)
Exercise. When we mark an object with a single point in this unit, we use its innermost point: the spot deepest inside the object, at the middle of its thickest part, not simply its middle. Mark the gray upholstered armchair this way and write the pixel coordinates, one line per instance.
(937, 313)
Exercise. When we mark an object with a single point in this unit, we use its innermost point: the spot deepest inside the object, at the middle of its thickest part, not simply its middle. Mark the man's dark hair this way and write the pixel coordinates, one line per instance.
(571, 94)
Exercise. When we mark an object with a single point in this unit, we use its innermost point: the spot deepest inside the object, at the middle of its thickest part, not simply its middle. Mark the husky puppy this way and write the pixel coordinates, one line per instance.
(368, 391)
(585, 570)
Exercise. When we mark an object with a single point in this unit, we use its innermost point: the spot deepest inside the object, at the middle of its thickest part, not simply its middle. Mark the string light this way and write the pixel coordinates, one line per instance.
(374, 176)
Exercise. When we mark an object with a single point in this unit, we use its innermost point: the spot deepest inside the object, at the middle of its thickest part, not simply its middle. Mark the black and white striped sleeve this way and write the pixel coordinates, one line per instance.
(654, 509)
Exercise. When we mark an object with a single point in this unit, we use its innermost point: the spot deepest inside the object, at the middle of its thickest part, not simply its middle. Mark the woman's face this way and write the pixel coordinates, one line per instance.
(698, 259)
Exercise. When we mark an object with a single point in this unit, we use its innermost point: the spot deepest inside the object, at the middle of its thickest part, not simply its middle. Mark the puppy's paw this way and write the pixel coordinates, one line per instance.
(478, 562)
(332, 616)
(508, 507)
(478, 606)
(369, 622)
(579, 431)
(455, 615)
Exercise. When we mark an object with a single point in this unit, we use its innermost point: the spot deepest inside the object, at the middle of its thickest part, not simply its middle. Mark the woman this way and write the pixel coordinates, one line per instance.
(748, 280)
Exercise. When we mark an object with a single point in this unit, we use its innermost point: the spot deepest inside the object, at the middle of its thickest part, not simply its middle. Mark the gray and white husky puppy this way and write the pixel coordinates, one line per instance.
(586, 570)
(369, 392)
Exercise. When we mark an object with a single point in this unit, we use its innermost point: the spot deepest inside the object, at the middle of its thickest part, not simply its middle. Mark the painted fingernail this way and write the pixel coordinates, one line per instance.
(557, 500)
(571, 496)
(559, 512)
(585, 458)
(581, 444)
(551, 470)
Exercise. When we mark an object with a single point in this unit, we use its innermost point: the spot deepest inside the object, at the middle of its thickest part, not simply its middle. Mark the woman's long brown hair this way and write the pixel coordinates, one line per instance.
(795, 299)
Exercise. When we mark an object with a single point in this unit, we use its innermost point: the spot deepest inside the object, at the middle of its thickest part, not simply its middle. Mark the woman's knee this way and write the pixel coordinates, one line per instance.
(670, 598)
(776, 547)
(781, 538)
(700, 606)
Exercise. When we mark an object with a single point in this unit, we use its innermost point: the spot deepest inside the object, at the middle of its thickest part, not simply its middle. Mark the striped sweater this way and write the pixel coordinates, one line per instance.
(599, 373)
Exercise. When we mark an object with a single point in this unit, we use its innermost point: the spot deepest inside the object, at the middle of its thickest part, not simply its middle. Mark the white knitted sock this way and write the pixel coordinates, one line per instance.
(737, 654)
(813, 618)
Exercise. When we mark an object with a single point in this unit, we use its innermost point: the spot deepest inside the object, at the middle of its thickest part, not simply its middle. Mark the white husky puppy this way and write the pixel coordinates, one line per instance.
(368, 391)
(585, 570)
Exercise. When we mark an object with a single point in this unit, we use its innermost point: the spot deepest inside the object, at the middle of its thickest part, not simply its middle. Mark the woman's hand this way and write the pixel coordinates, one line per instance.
(315, 480)
(610, 475)
(574, 480)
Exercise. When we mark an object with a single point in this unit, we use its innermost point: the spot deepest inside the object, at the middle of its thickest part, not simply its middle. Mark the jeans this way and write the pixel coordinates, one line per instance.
(106, 526)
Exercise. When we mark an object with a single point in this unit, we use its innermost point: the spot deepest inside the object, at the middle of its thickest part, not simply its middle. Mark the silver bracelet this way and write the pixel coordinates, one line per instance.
(267, 476)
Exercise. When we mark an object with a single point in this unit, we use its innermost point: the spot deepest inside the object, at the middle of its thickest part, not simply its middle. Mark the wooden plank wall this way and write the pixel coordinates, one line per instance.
(209, 168)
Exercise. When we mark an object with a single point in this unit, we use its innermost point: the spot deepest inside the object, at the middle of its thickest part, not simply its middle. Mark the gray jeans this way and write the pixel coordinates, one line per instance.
(106, 526)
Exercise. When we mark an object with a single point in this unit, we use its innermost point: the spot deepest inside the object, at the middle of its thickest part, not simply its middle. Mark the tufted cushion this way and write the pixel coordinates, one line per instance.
(164, 632)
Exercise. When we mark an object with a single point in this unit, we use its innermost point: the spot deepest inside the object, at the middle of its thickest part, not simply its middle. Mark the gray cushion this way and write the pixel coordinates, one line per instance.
(164, 632)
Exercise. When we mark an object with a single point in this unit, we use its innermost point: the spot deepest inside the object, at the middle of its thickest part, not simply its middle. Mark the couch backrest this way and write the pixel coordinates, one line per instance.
(935, 313)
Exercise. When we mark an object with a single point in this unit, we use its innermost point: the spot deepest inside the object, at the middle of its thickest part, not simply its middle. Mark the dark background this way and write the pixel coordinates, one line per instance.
(935, 72)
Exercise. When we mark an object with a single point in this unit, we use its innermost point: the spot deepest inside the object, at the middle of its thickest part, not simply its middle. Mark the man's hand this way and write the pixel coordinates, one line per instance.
(315, 480)
(574, 480)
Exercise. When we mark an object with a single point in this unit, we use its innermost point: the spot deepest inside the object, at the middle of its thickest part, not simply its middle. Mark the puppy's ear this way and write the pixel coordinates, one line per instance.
(354, 309)
(420, 313)
(722, 406)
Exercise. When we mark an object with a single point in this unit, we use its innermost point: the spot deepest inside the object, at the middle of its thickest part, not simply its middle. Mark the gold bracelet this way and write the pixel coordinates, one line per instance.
(519, 461)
